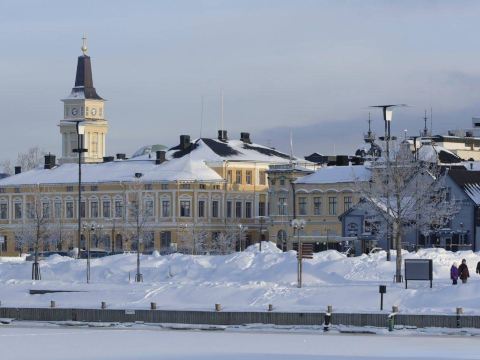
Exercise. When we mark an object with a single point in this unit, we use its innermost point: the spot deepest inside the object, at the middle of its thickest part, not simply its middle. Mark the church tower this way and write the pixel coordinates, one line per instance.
(86, 107)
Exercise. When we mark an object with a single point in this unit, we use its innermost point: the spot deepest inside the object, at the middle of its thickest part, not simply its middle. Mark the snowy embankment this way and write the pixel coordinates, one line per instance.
(243, 281)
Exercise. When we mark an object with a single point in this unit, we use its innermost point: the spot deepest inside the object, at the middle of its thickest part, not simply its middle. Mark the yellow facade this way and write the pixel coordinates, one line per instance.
(178, 208)
(319, 204)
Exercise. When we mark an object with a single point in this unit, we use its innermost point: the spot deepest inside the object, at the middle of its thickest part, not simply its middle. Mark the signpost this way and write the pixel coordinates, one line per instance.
(382, 289)
(418, 269)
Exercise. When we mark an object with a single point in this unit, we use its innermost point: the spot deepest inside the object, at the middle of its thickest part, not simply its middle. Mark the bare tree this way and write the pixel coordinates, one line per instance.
(407, 193)
(7, 167)
(226, 240)
(28, 160)
(140, 212)
(193, 238)
(35, 230)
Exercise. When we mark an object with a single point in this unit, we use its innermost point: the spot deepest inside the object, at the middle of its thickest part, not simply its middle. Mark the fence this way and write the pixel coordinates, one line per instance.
(235, 318)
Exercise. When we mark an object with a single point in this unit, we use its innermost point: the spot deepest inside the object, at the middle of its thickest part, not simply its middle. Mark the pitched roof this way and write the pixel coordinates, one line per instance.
(184, 169)
(84, 88)
(468, 181)
(214, 150)
(336, 174)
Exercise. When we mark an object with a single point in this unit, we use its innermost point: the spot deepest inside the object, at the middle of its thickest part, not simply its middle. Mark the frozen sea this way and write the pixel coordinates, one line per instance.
(53, 342)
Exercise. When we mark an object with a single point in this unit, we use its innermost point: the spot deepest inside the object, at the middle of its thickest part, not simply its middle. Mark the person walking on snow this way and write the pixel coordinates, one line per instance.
(454, 274)
(463, 271)
(478, 268)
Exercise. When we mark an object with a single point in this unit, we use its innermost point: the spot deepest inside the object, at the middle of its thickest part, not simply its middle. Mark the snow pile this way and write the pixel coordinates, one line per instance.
(243, 281)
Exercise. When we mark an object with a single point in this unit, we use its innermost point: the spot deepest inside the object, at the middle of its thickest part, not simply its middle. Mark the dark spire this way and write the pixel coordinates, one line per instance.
(84, 79)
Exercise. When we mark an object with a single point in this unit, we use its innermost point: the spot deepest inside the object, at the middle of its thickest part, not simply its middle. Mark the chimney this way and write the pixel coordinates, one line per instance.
(121, 157)
(245, 137)
(18, 170)
(108, 159)
(342, 160)
(49, 161)
(222, 135)
(160, 157)
(184, 142)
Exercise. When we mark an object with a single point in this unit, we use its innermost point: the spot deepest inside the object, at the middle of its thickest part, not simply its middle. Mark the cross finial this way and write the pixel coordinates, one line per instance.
(84, 44)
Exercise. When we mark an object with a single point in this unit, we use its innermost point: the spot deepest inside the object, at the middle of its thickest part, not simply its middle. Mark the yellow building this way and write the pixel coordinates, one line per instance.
(318, 197)
(195, 192)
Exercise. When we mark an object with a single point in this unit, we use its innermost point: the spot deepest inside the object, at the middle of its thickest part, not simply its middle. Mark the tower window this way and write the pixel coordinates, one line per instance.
(86, 111)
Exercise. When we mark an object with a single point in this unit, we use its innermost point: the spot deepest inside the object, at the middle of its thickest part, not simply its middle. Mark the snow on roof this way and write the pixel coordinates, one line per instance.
(183, 169)
(149, 149)
(432, 153)
(468, 181)
(336, 174)
(473, 191)
(213, 150)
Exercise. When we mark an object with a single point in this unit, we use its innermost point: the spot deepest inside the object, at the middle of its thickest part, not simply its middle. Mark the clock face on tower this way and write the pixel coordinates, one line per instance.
(94, 111)
(74, 111)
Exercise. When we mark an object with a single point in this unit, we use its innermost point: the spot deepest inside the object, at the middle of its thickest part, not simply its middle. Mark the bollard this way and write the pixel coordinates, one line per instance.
(459, 312)
(153, 306)
(270, 307)
(391, 322)
(328, 318)
(218, 307)
(104, 305)
(391, 318)
(52, 304)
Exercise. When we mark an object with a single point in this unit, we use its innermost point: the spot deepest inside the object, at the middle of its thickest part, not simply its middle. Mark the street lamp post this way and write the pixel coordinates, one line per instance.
(299, 224)
(387, 118)
(80, 149)
(241, 229)
(89, 228)
(262, 220)
(139, 222)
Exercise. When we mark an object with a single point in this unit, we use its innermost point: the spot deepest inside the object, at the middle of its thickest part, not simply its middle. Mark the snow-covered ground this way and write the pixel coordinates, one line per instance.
(40, 342)
(243, 281)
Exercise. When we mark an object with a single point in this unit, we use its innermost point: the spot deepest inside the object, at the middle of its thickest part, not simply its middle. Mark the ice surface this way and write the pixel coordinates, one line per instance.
(52, 343)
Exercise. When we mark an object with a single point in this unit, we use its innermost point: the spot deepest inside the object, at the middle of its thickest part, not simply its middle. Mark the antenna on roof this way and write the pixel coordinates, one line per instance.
(201, 119)
(425, 130)
(221, 114)
(291, 146)
(431, 120)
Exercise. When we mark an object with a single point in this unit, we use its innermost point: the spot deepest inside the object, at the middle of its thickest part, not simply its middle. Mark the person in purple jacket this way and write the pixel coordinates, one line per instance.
(454, 274)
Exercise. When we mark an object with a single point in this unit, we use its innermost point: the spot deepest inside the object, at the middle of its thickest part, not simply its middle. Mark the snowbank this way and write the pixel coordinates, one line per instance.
(243, 281)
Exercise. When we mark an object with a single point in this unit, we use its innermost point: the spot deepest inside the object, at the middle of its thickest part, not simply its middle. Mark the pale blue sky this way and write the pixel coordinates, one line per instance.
(313, 66)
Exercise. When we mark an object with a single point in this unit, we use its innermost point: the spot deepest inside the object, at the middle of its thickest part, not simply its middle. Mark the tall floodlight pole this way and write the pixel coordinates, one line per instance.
(387, 118)
(139, 222)
(80, 149)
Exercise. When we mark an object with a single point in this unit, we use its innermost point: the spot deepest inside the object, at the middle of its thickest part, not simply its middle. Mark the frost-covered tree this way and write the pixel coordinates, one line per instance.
(35, 230)
(405, 192)
(28, 160)
(140, 209)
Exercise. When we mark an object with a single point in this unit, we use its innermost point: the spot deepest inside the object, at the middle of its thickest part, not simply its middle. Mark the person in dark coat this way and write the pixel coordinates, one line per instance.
(454, 274)
(478, 267)
(463, 271)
